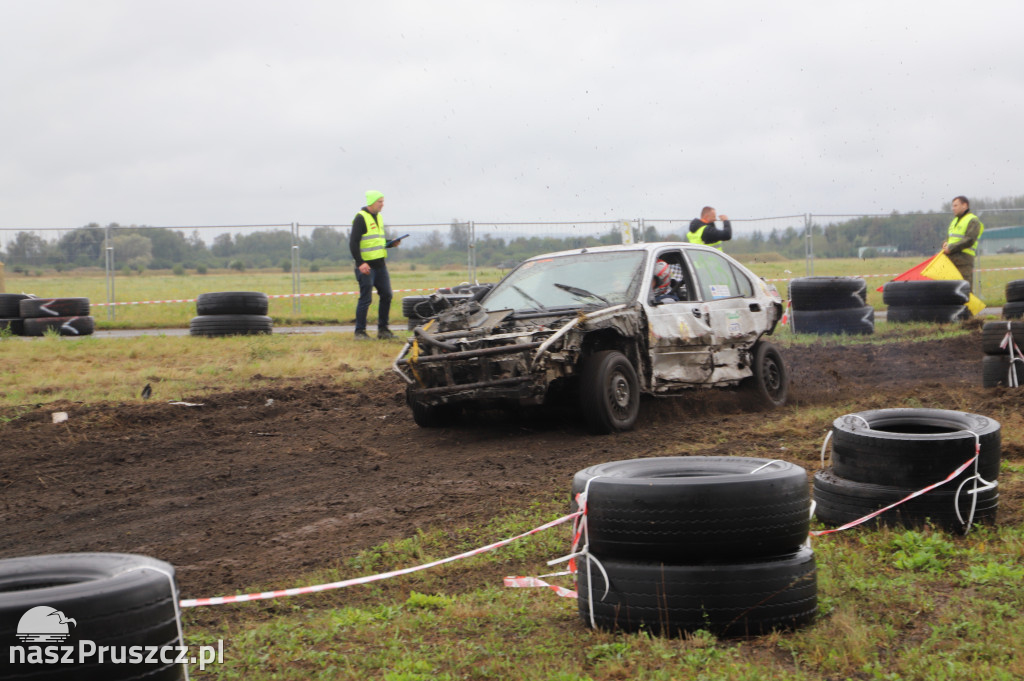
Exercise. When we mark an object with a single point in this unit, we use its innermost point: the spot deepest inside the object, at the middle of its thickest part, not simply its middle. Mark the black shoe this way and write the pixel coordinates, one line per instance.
(384, 334)
(362, 335)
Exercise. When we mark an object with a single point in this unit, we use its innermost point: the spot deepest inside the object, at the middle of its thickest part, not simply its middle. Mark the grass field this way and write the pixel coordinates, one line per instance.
(340, 309)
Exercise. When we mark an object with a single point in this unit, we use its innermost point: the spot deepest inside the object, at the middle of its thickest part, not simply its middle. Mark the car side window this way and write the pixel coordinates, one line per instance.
(719, 278)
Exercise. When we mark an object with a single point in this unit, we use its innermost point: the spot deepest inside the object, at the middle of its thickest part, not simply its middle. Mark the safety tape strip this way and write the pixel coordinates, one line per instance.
(219, 600)
(537, 581)
(277, 295)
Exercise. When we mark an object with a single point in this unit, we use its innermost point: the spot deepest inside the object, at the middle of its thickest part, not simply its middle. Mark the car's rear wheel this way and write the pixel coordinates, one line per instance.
(609, 392)
(770, 382)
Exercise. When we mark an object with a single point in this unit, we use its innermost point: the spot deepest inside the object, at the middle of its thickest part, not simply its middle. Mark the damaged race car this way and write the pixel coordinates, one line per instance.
(600, 326)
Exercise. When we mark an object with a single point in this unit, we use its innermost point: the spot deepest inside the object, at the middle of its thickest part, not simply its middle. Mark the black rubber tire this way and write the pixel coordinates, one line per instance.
(728, 599)
(909, 447)
(852, 321)
(926, 293)
(995, 371)
(684, 509)
(64, 326)
(1013, 310)
(53, 307)
(232, 302)
(230, 325)
(769, 385)
(928, 313)
(435, 416)
(10, 304)
(993, 333)
(1015, 291)
(14, 325)
(828, 293)
(840, 501)
(609, 392)
(115, 600)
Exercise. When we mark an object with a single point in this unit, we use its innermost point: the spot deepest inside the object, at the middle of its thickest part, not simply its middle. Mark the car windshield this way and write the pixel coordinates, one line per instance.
(576, 280)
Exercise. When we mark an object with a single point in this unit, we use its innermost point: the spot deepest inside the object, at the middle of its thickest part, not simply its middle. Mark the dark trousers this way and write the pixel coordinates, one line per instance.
(379, 279)
(965, 264)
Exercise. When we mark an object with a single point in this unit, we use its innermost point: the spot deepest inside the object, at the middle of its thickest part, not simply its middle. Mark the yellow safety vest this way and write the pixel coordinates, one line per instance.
(698, 238)
(373, 245)
(958, 229)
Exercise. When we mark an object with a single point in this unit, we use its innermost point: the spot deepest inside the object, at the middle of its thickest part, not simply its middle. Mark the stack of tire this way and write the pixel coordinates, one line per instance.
(831, 305)
(231, 313)
(419, 309)
(677, 544)
(53, 603)
(1014, 307)
(927, 300)
(995, 368)
(26, 315)
(883, 456)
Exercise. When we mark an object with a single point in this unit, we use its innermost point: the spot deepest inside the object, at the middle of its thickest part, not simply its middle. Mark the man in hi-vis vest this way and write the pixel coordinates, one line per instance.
(369, 249)
(962, 240)
(703, 230)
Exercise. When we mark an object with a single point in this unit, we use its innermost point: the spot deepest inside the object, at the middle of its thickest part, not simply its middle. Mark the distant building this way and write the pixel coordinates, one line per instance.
(1002, 240)
(876, 251)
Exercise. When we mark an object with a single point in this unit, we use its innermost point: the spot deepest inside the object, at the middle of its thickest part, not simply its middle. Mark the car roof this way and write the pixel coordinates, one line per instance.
(649, 247)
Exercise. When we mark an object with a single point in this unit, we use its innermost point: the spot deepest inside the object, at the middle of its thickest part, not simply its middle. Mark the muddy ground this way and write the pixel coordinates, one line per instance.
(260, 486)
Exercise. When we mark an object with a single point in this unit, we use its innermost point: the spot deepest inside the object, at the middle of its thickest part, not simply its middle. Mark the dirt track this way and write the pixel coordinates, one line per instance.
(276, 481)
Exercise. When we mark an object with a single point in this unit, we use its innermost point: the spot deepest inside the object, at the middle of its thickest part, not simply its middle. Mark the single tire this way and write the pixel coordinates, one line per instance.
(53, 307)
(926, 293)
(230, 325)
(770, 383)
(729, 599)
(232, 302)
(855, 320)
(10, 304)
(695, 508)
(913, 447)
(1013, 310)
(993, 334)
(114, 599)
(1015, 291)
(839, 501)
(995, 371)
(828, 293)
(928, 313)
(435, 415)
(14, 326)
(64, 326)
(609, 392)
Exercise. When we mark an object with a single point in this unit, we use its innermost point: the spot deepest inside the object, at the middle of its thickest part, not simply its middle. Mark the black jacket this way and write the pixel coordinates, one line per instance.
(712, 234)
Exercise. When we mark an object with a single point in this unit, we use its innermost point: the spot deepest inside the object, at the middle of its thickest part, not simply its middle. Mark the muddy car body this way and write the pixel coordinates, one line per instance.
(584, 324)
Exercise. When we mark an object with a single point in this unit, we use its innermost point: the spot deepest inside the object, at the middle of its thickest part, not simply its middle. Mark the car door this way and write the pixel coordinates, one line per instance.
(680, 338)
(728, 307)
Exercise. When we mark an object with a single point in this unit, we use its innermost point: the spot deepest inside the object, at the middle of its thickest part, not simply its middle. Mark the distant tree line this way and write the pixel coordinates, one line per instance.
(140, 247)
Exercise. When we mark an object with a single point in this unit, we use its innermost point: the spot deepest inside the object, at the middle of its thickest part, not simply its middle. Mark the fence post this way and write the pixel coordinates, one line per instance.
(108, 266)
(809, 243)
(296, 275)
(471, 254)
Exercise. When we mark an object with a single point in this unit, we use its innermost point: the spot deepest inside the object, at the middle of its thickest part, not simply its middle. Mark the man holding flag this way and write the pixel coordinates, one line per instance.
(961, 242)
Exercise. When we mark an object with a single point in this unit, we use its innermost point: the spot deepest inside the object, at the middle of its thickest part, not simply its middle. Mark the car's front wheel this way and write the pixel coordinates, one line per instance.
(609, 392)
(770, 382)
(435, 415)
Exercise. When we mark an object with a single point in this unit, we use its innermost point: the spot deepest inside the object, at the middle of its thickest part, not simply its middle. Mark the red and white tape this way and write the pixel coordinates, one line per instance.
(281, 593)
(538, 582)
(276, 295)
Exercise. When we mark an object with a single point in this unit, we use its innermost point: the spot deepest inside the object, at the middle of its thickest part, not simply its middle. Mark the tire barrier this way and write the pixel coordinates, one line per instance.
(231, 313)
(25, 315)
(676, 544)
(831, 305)
(117, 600)
(883, 456)
(1014, 310)
(1015, 291)
(1003, 364)
(936, 301)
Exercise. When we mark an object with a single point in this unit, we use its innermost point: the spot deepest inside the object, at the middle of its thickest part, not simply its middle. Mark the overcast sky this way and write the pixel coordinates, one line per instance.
(259, 112)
